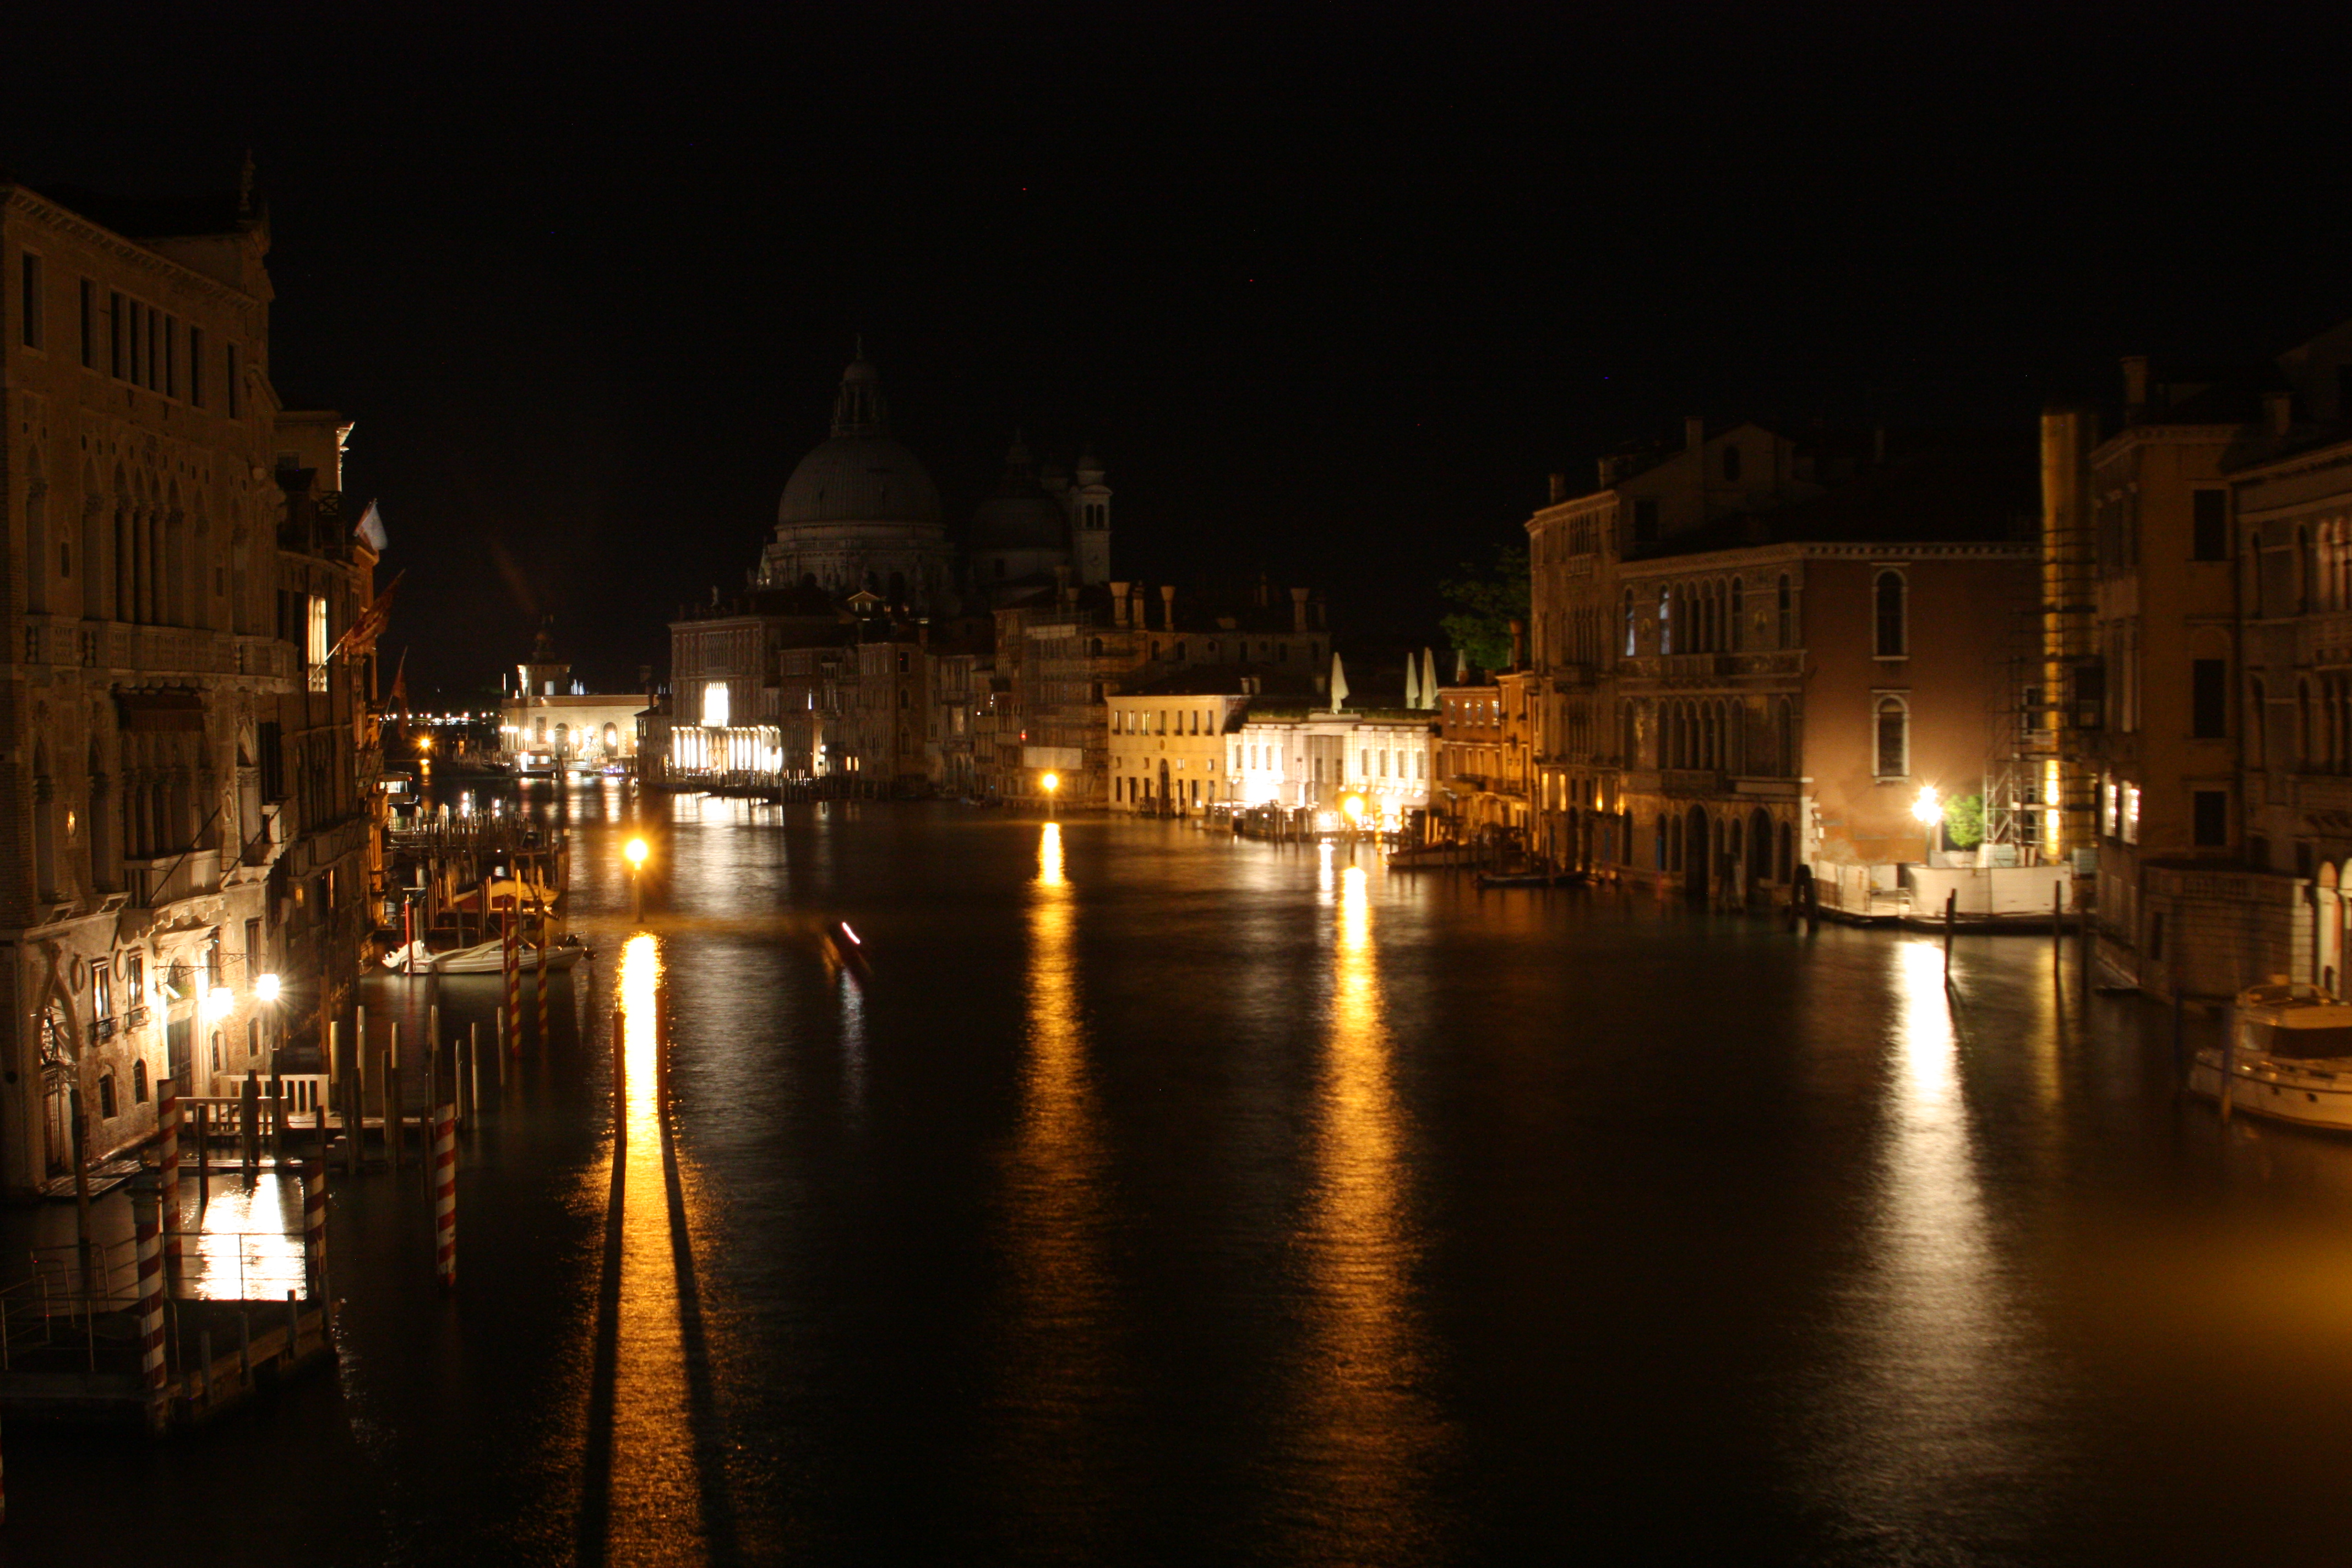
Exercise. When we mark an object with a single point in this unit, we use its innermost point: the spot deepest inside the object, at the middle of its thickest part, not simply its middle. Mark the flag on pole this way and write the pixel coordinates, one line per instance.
(371, 529)
(363, 633)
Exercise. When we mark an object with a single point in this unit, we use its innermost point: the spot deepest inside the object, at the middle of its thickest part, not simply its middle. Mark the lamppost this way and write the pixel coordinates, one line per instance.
(1352, 808)
(1928, 811)
(1052, 782)
(637, 854)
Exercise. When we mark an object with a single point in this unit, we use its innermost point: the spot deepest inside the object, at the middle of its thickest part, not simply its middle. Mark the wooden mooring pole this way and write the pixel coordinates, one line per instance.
(445, 1195)
(149, 1226)
(1951, 910)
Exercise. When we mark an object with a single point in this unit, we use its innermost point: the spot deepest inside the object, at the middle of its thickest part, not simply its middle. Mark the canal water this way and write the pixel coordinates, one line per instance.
(1163, 1197)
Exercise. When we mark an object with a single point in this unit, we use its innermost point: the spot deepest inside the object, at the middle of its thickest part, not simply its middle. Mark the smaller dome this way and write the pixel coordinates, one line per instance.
(1019, 514)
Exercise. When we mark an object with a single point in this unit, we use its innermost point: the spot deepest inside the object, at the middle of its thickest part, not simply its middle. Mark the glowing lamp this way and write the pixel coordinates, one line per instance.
(266, 987)
(1353, 805)
(218, 1001)
(636, 853)
(1927, 808)
(1052, 782)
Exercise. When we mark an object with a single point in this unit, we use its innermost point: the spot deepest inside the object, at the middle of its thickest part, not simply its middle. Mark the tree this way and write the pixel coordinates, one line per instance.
(1490, 601)
(1964, 821)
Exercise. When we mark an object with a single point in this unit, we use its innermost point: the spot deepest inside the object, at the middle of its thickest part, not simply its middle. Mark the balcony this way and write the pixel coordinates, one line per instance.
(154, 883)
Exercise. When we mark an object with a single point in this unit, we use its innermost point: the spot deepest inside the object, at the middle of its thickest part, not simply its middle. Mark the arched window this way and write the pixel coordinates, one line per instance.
(1894, 744)
(1739, 612)
(138, 1083)
(1665, 621)
(1888, 592)
(1787, 615)
(1631, 622)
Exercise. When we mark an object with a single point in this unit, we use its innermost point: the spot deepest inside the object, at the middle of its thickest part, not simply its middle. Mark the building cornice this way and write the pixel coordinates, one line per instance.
(2334, 455)
(1802, 550)
(34, 204)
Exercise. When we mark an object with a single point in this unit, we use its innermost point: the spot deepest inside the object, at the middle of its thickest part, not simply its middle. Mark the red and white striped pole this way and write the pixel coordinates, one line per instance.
(314, 1229)
(445, 1194)
(167, 1138)
(150, 1231)
(512, 953)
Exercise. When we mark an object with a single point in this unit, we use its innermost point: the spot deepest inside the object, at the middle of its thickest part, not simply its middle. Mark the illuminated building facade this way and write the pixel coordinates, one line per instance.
(1788, 642)
(186, 805)
(1286, 754)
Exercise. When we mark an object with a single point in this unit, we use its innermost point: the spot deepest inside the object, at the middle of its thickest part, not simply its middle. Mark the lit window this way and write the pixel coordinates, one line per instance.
(315, 648)
(714, 705)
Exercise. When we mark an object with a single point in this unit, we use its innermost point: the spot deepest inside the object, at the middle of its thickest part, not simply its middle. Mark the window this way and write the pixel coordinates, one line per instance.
(89, 324)
(2209, 698)
(106, 1106)
(195, 367)
(1630, 623)
(1894, 747)
(171, 357)
(2209, 525)
(2131, 813)
(2209, 811)
(316, 643)
(1665, 621)
(1739, 613)
(1888, 595)
(29, 287)
(253, 1035)
(102, 990)
(138, 1083)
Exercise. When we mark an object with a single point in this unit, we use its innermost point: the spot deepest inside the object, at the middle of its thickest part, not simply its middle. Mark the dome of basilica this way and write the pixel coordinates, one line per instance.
(1020, 514)
(859, 474)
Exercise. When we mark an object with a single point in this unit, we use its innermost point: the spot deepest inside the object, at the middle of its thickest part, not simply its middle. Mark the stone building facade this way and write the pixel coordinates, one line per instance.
(183, 809)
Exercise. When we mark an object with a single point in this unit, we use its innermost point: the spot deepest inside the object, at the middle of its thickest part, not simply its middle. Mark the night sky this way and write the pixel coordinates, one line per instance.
(1329, 289)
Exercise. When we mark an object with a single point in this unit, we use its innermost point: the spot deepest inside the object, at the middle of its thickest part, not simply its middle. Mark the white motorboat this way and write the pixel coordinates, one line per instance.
(2288, 1055)
(483, 958)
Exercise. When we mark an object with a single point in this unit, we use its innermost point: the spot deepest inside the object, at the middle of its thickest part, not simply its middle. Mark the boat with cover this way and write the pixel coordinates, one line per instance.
(482, 958)
(2288, 1055)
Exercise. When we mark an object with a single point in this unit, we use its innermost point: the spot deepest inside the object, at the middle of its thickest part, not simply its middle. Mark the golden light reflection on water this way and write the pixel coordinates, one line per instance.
(1936, 1378)
(247, 1243)
(1055, 1205)
(654, 1482)
(1366, 1429)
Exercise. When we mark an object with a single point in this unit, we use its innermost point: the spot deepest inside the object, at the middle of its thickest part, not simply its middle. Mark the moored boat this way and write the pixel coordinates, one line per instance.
(2288, 1055)
(482, 958)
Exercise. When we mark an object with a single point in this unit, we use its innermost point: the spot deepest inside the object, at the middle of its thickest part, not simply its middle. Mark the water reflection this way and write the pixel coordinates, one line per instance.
(1934, 1398)
(245, 1243)
(649, 1492)
(1367, 1430)
(1055, 1368)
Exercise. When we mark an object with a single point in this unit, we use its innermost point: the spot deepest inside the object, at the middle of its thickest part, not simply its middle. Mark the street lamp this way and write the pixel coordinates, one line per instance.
(1052, 782)
(637, 854)
(1928, 811)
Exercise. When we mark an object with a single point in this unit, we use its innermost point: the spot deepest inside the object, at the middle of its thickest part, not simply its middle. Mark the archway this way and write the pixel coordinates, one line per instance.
(1759, 865)
(1699, 854)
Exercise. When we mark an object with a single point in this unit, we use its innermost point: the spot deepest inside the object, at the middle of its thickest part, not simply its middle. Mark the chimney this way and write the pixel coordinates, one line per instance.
(2279, 409)
(1118, 601)
(1518, 645)
(1298, 609)
(1167, 606)
(1608, 474)
(1693, 432)
(2135, 384)
(1559, 488)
